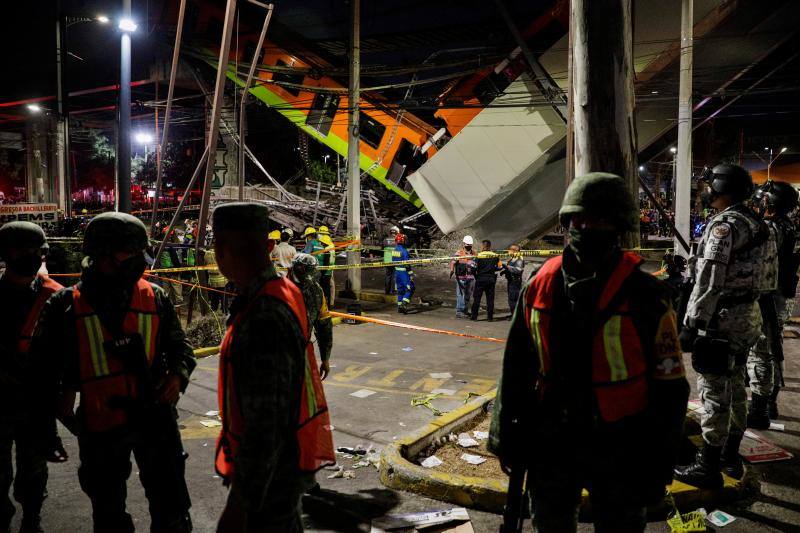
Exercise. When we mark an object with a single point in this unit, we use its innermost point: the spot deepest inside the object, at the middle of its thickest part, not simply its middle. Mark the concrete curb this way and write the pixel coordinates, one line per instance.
(487, 494)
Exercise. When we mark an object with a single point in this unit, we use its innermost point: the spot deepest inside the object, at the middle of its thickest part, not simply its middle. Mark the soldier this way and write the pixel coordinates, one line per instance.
(303, 272)
(735, 263)
(117, 340)
(276, 431)
(776, 200)
(593, 391)
(23, 292)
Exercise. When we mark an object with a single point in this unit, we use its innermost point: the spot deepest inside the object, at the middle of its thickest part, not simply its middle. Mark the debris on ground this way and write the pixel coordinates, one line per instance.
(473, 459)
(342, 473)
(357, 450)
(720, 518)
(421, 520)
(465, 441)
(432, 462)
(448, 450)
(211, 423)
(206, 331)
(426, 401)
(362, 393)
(687, 522)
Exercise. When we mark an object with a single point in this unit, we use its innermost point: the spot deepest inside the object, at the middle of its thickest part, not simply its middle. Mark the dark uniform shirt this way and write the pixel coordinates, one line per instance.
(487, 265)
(319, 317)
(268, 357)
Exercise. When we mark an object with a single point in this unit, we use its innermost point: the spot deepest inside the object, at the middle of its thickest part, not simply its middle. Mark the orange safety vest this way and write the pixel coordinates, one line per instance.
(619, 366)
(46, 290)
(106, 380)
(314, 436)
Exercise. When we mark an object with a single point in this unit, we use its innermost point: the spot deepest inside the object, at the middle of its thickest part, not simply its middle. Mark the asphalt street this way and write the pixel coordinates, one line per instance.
(376, 371)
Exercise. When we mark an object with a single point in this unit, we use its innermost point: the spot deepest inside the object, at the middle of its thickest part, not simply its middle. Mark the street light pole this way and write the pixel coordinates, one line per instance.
(353, 149)
(65, 189)
(124, 117)
(772, 160)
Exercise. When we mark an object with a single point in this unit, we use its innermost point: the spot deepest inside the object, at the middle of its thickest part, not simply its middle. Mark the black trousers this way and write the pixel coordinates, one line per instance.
(388, 282)
(30, 483)
(325, 283)
(484, 285)
(514, 288)
(106, 465)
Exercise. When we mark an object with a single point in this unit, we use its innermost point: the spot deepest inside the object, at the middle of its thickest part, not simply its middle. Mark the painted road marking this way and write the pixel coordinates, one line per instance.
(403, 380)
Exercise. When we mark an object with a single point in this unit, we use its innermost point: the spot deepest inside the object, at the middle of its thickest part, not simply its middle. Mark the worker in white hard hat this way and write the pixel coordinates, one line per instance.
(388, 248)
(283, 253)
(464, 271)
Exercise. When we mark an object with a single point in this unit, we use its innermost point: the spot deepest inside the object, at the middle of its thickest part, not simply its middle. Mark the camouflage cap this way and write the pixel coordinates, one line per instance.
(112, 232)
(307, 261)
(241, 216)
(600, 194)
(20, 234)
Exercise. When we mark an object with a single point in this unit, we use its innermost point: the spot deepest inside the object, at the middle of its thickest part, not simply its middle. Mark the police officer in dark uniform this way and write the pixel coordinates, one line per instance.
(593, 391)
(117, 340)
(775, 201)
(23, 293)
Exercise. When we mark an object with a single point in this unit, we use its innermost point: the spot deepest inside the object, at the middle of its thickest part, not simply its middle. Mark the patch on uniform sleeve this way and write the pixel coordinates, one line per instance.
(719, 243)
(668, 356)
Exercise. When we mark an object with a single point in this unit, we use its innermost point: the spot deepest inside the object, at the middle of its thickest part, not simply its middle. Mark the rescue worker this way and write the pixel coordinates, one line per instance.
(316, 248)
(487, 264)
(276, 430)
(23, 291)
(464, 271)
(388, 248)
(512, 270)
(273, 238)
(117, 340)
(303, 273)
(326, 258)
(284, 252)
(403, 274)
(592, 392)
(169, 259)
(736, 262)
(776, 200)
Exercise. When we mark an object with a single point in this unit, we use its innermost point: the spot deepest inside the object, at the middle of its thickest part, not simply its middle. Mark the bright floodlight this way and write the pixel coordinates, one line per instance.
(127, 25)
(673, 150)
(34, 108)
(143, 138)
(783, 149)
(641, 168)
(102, 19)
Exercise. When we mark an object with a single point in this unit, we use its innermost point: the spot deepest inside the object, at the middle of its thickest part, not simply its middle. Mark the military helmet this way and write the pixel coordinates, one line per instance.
(603, 195)
(304, 266)
(112, 232)
(729, 179)
(779, 196)
(20, 234)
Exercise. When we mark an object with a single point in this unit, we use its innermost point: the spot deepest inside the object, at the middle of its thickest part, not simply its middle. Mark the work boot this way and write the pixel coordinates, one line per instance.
(757, 414)
(730, 460)
(772, 405)
(705, 471)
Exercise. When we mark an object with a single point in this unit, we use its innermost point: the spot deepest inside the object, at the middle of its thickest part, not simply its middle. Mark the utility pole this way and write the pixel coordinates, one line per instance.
(683, 159)
(353, 151)
(62, 136)
(124, 118)
(603, 103)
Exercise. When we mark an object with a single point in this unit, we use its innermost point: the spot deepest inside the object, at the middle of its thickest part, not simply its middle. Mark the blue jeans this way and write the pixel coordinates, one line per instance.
(464, 288)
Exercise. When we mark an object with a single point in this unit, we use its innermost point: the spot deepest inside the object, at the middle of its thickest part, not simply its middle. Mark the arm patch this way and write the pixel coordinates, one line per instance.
(719, 243)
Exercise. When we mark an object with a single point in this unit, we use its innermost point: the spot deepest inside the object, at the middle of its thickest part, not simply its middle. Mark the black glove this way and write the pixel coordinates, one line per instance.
(687, 337)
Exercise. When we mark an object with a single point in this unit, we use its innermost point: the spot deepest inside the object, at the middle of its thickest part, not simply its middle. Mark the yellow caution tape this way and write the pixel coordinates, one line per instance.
(426, 401)
(687, 523)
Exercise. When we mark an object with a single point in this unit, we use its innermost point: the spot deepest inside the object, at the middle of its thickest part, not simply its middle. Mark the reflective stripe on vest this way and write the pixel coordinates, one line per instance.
(314, 437)
(106, 380)
(618, 363)
(47, 288)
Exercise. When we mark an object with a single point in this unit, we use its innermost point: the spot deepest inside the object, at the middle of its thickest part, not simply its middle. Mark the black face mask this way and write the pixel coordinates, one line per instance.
(706, 198)
(592, 245)
(126, 274)
(25, 265)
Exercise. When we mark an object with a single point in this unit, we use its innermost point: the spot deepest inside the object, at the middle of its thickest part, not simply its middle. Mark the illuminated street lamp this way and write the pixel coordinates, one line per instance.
(34, 108)
(127, 25)
(772, 159)
(143, 138)
(102, 19)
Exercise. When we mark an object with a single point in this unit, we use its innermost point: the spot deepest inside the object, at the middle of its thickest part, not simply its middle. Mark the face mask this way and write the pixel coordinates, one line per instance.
(127, 272)
(468, 247)
(591, 245)
(706, 198)
(26, 265)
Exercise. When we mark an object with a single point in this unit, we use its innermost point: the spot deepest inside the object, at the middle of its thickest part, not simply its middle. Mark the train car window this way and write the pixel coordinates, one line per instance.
(370, 129)
(323, 110)
(297, 79)
(406, 162)
(491, 87)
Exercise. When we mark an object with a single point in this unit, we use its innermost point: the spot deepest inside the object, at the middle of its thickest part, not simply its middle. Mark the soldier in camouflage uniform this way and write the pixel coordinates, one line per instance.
(735, 263)
(303, 273)
(130, 389)
(775, 200)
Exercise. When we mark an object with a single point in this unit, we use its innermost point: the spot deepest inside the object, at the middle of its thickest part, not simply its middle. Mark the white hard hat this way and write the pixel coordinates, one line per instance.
(288, 231)
(468, 240)
(394, 229)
